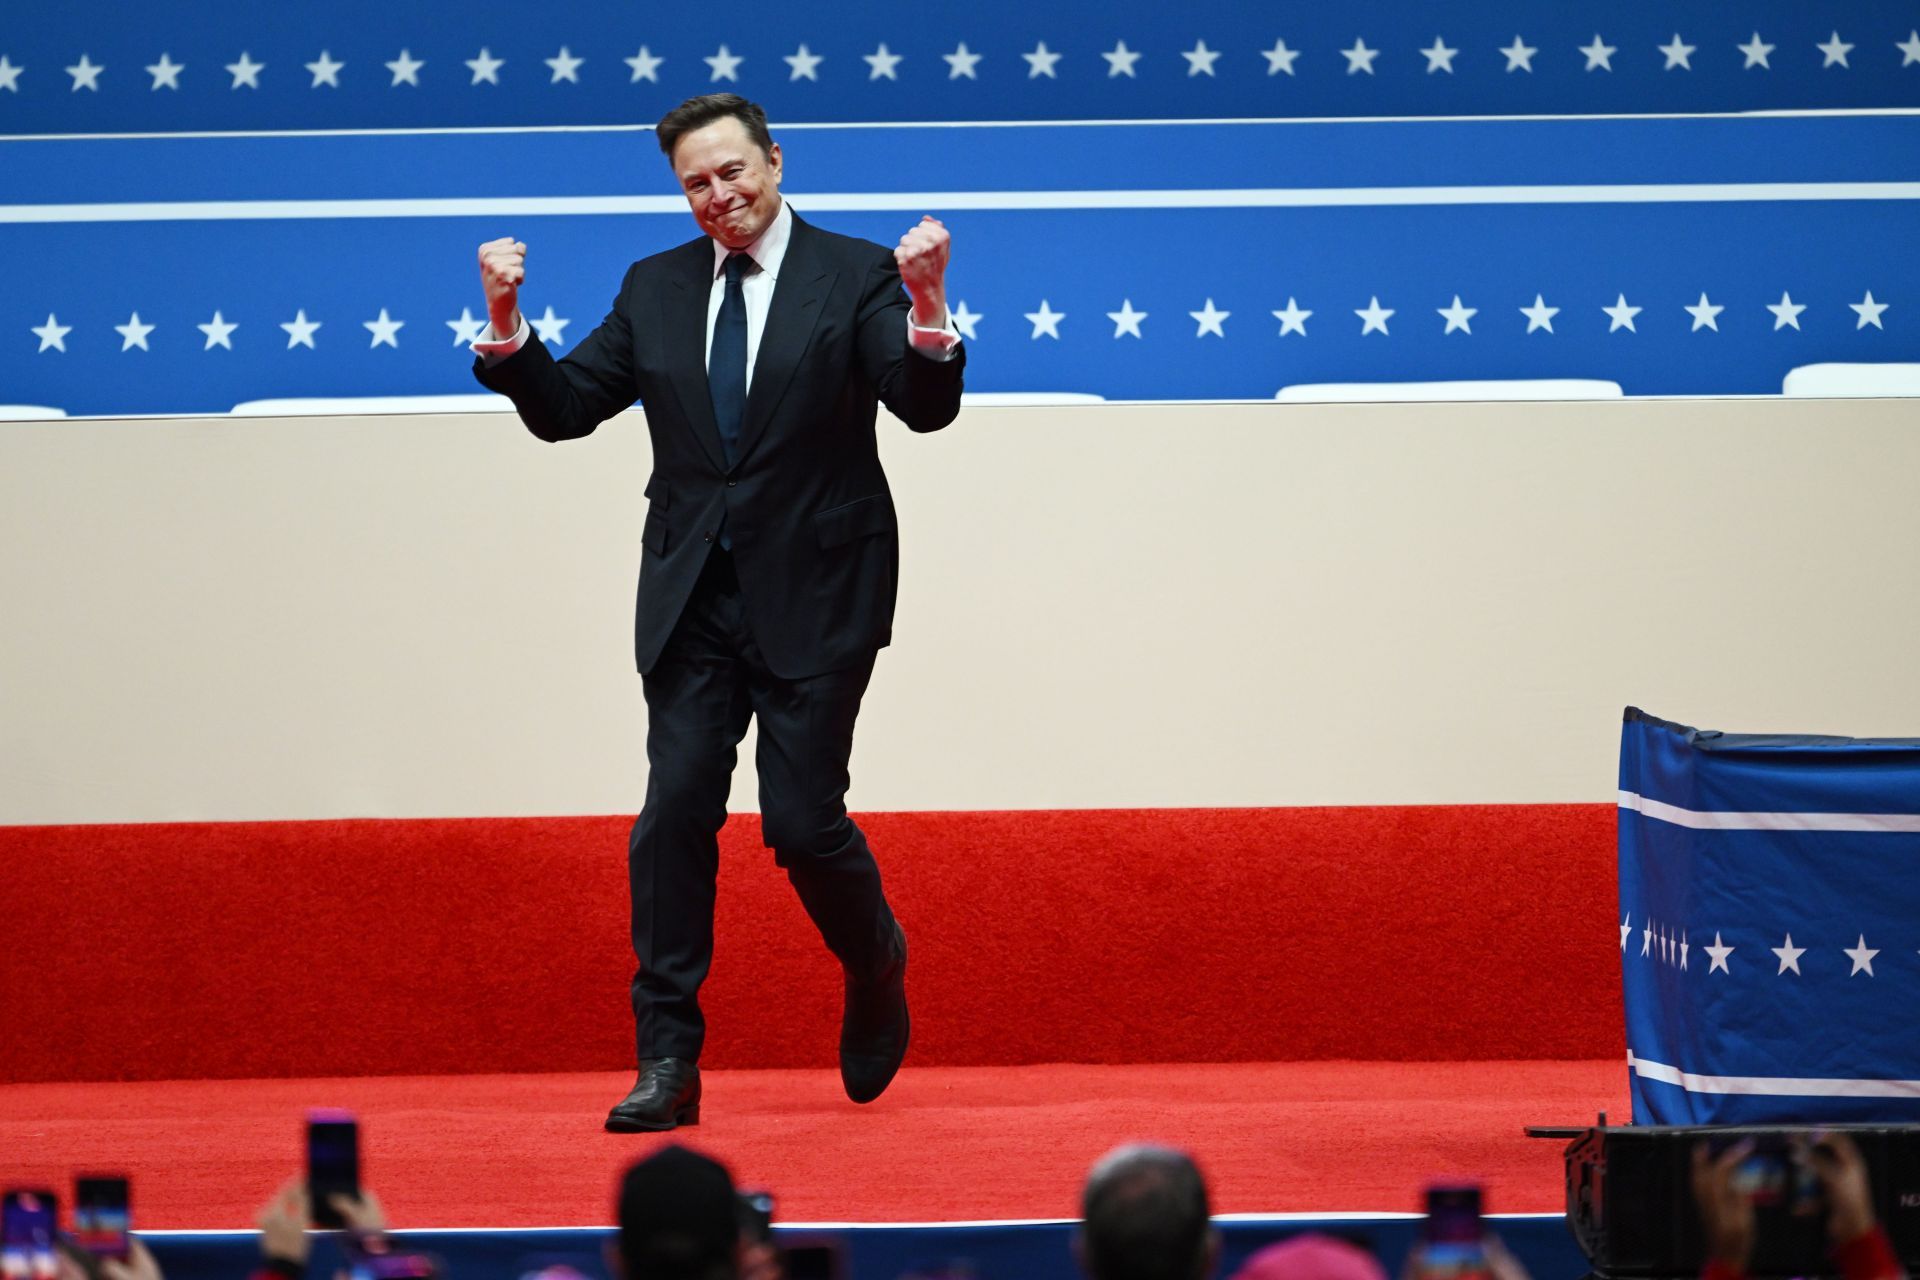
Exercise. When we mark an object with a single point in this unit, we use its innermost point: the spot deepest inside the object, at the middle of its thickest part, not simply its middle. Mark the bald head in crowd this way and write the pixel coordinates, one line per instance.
(1146, 1218)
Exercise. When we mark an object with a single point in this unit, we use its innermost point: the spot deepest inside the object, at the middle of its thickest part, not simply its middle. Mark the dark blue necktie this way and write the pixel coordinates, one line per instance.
(727, 360)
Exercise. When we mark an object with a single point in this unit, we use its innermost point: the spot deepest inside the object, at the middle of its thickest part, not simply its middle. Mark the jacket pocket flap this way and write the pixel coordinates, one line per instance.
(859, 519)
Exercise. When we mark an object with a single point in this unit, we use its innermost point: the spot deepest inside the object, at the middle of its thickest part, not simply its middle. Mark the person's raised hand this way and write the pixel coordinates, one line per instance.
(363, 1216)
(922, 258)
(503, 269)
(283, 1223)
(1842, 1171)
(138, 1266)
(1726, 1210)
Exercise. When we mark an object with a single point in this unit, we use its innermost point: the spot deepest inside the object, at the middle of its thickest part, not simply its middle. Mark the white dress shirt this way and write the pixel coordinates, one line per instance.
(768, 253)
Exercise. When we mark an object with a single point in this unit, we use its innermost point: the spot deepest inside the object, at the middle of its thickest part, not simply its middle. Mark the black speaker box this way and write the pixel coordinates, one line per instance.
(1631, 1208)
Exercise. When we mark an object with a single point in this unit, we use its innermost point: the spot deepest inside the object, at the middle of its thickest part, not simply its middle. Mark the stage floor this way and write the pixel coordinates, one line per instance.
(944, 1144)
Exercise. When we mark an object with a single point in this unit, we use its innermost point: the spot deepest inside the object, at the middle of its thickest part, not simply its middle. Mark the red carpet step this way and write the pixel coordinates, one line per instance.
(944, 1143)
(203, 950)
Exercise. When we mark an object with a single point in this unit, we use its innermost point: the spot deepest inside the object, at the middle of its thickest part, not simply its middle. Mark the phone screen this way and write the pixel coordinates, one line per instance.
(101, 1216)
(28, 1220)
(333, 1163)
(1452, 1240)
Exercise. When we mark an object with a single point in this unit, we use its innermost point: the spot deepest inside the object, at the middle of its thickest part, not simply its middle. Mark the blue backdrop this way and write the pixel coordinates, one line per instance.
(217, 203)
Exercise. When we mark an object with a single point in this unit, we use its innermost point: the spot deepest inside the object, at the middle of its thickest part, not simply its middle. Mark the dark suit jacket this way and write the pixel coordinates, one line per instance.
(807, 508)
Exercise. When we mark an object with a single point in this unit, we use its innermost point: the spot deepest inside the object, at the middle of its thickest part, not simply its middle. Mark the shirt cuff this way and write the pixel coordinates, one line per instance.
(935, 344)
(493, 349)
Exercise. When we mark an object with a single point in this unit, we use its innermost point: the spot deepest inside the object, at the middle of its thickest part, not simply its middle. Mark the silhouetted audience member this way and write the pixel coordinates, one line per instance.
(1858, 1242)
(1311, 1257)
(680, 1219)
(1145, 1217)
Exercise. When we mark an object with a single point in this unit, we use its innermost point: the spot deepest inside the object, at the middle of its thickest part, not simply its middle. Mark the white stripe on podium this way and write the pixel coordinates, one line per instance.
(1714, 820)
(1773, 1086)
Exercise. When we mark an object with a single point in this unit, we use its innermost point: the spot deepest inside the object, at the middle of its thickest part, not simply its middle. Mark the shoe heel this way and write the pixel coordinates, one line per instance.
(687, 1116)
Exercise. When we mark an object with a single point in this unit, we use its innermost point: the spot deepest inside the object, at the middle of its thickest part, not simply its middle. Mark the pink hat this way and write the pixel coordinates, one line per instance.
(1311, 1257)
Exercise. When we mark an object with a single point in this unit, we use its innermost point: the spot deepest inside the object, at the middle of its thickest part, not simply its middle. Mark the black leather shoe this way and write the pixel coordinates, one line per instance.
(667, 1094)
(873, 1028)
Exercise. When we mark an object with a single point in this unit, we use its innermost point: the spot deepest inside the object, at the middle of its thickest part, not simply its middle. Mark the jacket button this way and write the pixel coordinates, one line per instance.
(709, 538)
(732, 483)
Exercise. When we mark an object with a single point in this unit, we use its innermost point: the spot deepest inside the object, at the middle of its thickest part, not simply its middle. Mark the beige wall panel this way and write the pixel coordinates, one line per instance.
(1109, 606)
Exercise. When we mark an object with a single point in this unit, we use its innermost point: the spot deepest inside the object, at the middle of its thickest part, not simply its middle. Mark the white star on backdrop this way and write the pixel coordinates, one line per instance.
(406, 69)
(134, 334)
(1539, 315)
(1836, 51)
(1046, 320)
(1439, 57)
(1705, 315)
(565, 66)
(1120, 60)
(647, 67)
(85, 75)
(219, 332)
(805, 64)
(1622, 315)
(486, 67)
(1520, 56)
(1599, 54)
(961, 62)
(1294, 320)
(300, 330)
(1869, 312)
(1280, 58)
(1719, 951)
(467, 329)
(1626, 929)
(1373, 317)
(52, 333)
(1359, 58)
(245, 72)
(1862, 956)
(1041, 62)
(1457, 316)
(725, 65)
(1789, 956)
(1684, 948)
(1200, 59)
(9, 75)
(1646, 939)
(1210, 321)
(385, 329)
(550, 327)
(166, 72)
(884, 63)
(1126, 320)
(1678, 54)
(1786, 312)
(1756, 50)
(325, 71)
(1909, 48)
(964, 320)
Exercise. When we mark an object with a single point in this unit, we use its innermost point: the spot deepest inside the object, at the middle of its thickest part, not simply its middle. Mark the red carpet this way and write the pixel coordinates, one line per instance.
(200, 950)
(945, 1143)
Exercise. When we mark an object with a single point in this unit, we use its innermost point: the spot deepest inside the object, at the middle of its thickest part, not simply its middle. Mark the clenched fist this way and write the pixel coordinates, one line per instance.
(503, 267)
(922, 259)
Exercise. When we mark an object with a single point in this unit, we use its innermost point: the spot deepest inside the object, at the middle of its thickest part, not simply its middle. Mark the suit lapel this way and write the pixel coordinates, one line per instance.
(684, 326)
(798, 296)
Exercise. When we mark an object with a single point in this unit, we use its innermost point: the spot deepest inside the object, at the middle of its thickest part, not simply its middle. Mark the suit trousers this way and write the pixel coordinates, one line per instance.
(708, 681)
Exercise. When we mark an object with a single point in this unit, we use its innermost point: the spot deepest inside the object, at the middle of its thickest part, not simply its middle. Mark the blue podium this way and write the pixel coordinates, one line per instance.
(1769, 926)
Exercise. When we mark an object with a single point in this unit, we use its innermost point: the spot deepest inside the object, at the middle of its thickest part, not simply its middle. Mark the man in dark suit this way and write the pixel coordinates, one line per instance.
(770, 559)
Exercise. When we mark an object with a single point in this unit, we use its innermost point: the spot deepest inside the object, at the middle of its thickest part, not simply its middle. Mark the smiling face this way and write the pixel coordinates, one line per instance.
(731, 185)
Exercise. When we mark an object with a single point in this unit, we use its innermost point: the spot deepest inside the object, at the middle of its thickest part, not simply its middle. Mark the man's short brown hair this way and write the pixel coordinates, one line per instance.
(698, 113)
